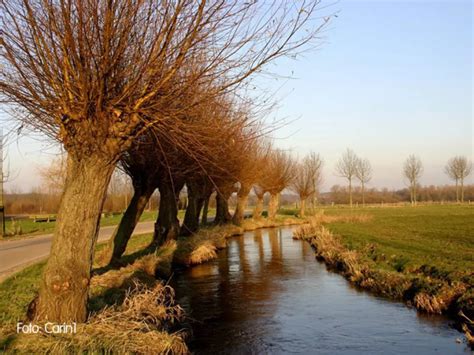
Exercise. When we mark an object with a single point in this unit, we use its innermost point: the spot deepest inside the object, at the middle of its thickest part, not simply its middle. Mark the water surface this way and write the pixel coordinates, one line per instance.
(266, 293)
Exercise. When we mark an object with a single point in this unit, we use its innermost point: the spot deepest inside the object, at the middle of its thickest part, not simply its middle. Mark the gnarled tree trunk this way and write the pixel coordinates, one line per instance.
(130, 218)
(65, 283)
(223, 215)
(257, 212)
(193, 210)
(242, 198)
(205, 209)
(199, 191)
(302, 206)
(273, 205)
(167, 223)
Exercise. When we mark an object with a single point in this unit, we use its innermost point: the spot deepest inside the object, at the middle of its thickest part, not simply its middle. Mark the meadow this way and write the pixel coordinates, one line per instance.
(406, 237)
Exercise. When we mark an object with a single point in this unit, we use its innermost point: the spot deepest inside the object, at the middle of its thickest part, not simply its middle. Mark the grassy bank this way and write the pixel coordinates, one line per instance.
(122, 300)
(423, 255)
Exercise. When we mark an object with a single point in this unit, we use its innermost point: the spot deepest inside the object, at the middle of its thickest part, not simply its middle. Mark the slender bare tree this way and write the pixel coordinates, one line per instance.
(364, 175)
(412, 170)
(458, 168)
(346, 167)
(307, 178)
(451, 170)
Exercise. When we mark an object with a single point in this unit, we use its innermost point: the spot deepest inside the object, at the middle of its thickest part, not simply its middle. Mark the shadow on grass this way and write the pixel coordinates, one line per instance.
(124, 260)
(7, 341)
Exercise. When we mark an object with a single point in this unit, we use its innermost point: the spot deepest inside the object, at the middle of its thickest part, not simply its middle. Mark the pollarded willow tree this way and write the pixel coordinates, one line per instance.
(94, 75)
(278, 176)
(412, 170)
(262, 161)
(346, 167)
(251, 151)
(458, 168)
(142, 162)
(307, 177)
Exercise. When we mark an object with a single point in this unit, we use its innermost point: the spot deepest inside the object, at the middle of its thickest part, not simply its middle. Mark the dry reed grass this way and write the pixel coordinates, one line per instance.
(203, 245)
(441, 301)
(468, 328)
(321, 217)
(140, 325)
(146, 265)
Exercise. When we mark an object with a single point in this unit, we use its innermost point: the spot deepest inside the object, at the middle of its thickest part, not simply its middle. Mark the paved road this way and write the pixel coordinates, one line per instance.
(17, 254)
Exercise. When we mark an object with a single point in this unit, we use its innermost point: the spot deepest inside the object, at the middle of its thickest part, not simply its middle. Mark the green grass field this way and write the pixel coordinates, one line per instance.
(404, 238)
(29, 227)
(18, 290)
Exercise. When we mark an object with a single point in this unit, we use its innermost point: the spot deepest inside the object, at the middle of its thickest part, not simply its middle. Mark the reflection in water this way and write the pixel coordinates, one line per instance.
(265, 293)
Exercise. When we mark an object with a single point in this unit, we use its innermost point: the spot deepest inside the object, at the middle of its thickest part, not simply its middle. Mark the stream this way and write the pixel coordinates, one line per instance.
(266, 293)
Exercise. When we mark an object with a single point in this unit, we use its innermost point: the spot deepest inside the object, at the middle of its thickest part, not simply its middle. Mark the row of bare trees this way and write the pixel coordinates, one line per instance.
(160, 88)
(338, 194)
(457, 168)
(351, 167)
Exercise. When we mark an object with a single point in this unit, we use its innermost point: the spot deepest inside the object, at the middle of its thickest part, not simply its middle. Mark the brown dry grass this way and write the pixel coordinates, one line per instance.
(147, 265)
(140, 325)
(321, 217)
(441, 301)
(203, 245)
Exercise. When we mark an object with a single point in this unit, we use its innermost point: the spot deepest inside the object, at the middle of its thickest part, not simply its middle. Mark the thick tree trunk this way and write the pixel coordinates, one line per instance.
(132, 215)
(242, 198)
(167, 223)
(65, 283)
(257, 213)
(223, 215)
(205, 209)
(302, 206)
(273, 205)
(193, 210)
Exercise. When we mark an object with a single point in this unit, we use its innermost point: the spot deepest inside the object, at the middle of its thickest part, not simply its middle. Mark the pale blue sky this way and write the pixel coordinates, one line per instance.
(393, 78)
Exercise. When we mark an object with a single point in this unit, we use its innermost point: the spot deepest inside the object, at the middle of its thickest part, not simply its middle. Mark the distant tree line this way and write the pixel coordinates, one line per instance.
(353, 168)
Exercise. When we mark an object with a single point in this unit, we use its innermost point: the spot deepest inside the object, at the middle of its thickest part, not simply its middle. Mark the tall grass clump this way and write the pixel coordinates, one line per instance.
(142, 324)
